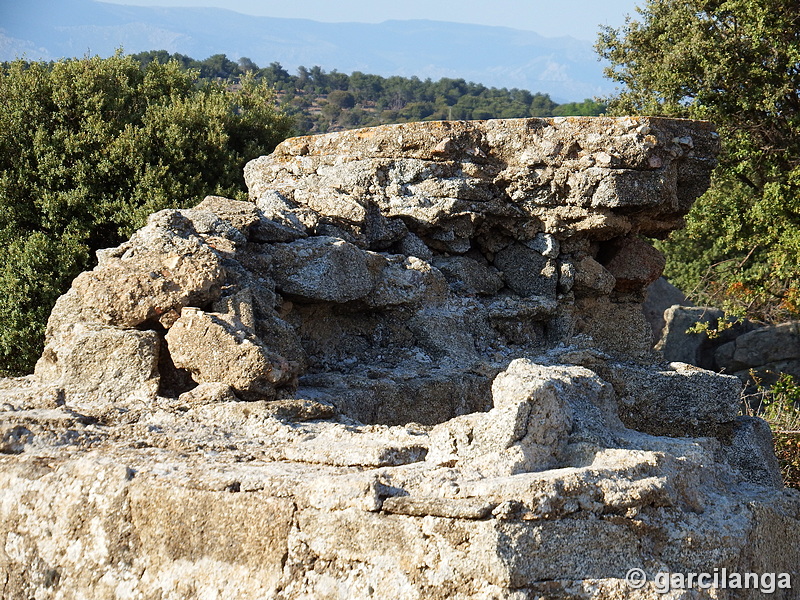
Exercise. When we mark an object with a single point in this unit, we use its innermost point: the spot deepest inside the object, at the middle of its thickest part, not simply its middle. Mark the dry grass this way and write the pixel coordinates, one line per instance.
(785, 423)
(780, 407)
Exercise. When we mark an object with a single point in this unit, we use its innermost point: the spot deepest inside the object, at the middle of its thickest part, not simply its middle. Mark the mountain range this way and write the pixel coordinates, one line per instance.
(565, 68)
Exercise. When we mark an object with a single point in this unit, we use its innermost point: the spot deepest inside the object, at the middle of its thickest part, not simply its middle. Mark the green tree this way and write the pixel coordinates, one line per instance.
(219, 66)
(586, 108)
(246, 65)
(542, 106)
(276, 75)
(163, 57)
(736, 63)
(89, 148)
(342, 99)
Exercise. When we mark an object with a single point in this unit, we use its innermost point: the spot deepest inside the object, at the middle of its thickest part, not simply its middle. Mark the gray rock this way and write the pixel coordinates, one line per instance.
(406, 281)
(566, 276)
(527, 272)
(758, 354)
(616, 327)
(749, 450)
(398, 170)
(526, 430)
(244, 216)
(282, 339)
(592, 279)
(525, 321)
(164, 267)
(99, 365)
(208, 393)
(468, 276)
(324, 268)
(210, 226)
(677, 345)
(684, 400)
(284, 222)
(430, 396)
(545, 244)
(767, 345)
(412, 245)
(661, 294)
(633, 263)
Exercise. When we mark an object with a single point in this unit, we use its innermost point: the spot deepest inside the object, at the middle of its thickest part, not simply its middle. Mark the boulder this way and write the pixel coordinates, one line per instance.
(633, 263)
(679, 344)
(749, 450)
(618, 327)
(324, 268)
(101, 365)
(413, 365)
(526, 271)
(469, 276)
(527, 430)
(714, 352)
(767, 345)
(682, 400)
(661, 294)
(214, 348)
(592, 279)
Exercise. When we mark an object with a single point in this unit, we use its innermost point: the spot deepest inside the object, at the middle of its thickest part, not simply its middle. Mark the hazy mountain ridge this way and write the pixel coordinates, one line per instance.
(564, 67)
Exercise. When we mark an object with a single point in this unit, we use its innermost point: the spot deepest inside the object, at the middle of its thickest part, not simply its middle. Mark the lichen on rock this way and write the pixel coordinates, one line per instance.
(413, 365)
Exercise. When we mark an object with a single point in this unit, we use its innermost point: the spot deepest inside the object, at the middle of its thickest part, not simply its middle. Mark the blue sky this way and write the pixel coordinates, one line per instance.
(551, 18)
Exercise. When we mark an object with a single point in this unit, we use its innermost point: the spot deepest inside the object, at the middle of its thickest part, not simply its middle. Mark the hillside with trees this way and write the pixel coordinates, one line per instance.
(321, 101)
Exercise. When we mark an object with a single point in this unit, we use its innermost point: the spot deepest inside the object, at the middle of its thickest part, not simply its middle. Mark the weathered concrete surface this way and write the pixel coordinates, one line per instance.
(224, 500)
(414, 366)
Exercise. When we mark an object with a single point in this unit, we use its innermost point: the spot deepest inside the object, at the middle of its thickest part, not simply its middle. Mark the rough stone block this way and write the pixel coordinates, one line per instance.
(684, 400)
(527, 272)
(215, 350)
(324, 268)
(96, 364)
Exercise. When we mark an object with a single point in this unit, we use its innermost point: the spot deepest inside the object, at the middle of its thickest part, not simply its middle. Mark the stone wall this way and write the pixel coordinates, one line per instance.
(413, 365)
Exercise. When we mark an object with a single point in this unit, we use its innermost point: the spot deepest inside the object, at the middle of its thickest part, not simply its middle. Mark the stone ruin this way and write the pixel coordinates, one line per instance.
(413, 366)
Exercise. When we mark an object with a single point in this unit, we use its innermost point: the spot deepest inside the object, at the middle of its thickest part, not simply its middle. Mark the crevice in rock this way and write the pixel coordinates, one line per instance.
(173, 381)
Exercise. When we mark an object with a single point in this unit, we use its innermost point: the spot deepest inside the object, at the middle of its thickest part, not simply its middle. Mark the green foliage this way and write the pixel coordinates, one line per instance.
(342, 99)
(323, 101)
(587, 108)
(787, 450)
(786, 393)
(89, 148)
(736, 63)
(334, 101)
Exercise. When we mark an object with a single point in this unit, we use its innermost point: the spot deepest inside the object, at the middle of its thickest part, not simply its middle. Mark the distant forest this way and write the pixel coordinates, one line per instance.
(321, 101)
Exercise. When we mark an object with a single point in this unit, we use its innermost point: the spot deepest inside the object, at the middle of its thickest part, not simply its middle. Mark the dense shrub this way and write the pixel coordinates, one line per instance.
(782, 411)
(89, 148)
